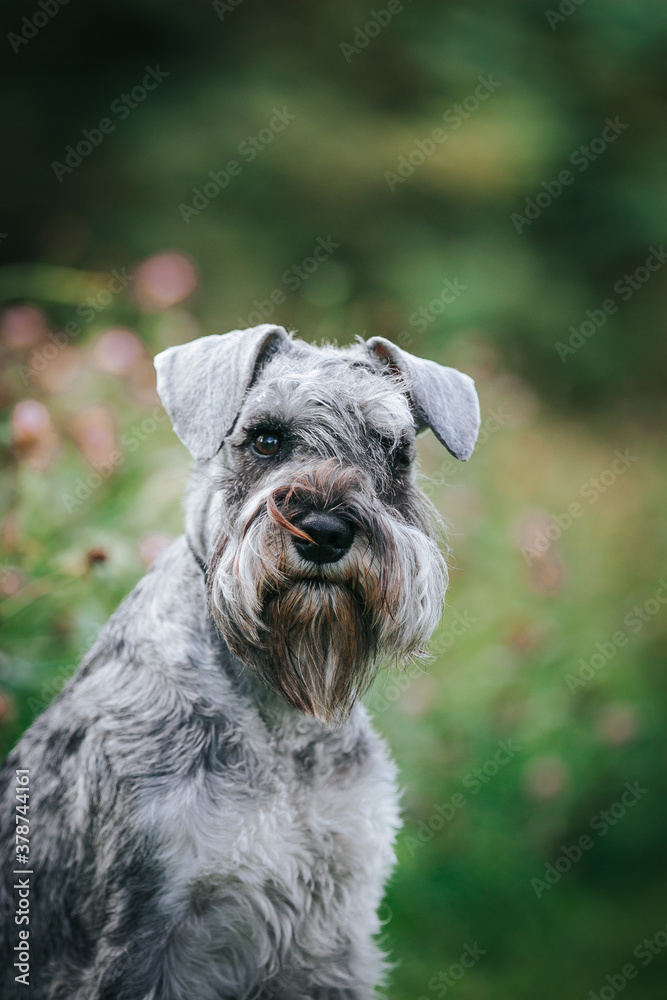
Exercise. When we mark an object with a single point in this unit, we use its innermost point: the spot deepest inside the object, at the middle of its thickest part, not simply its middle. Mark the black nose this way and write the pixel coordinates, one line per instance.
(331, 537)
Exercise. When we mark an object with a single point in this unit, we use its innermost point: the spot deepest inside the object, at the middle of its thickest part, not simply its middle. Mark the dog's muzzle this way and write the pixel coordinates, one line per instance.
(316, 582)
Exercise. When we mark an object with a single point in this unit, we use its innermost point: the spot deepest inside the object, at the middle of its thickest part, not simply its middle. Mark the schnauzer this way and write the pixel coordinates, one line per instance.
(205, 812)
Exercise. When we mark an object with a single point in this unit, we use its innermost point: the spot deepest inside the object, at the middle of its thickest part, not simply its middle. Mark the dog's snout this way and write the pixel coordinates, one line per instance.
(331, 535)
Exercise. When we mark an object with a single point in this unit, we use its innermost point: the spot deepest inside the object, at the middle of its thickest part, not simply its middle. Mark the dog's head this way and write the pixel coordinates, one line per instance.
(323, 557)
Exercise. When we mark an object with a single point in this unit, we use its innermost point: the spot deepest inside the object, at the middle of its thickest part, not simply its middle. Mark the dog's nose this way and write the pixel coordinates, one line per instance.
(331, 537)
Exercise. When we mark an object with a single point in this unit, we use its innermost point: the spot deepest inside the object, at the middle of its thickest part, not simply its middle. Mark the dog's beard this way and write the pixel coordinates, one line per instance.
(316, 642)
(322, 647)
(318, 635)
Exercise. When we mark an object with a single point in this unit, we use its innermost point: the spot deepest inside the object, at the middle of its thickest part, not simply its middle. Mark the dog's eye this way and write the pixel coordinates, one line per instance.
(266, 443)
(402, 458)
(399, 455)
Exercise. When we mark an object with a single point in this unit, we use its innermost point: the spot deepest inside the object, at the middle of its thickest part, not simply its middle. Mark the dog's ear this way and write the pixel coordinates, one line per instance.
(443, 399)
(202, 384)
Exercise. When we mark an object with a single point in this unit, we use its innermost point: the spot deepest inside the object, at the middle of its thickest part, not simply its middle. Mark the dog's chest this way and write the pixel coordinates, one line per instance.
(313, 824)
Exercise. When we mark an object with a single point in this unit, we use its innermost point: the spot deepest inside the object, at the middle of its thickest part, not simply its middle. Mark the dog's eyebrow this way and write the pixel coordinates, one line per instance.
(261, 420)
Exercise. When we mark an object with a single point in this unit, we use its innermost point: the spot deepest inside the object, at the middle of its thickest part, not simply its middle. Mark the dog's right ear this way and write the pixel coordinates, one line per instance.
(202, 384)
(443, 399)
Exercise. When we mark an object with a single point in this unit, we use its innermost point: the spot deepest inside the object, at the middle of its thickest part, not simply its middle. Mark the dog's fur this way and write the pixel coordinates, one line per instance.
(212, 815)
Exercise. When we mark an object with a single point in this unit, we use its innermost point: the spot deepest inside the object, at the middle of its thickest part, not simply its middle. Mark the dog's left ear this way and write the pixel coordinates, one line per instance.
(202, 384)
(443, 399)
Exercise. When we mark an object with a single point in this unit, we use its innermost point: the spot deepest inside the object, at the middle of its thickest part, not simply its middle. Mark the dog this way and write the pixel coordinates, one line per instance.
(205, 812)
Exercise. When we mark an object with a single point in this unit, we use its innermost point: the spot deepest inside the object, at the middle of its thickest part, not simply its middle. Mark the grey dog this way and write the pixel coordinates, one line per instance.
(211, 815)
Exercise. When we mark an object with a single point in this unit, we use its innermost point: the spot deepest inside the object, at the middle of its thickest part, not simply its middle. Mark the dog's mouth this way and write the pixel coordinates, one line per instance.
(324, 576)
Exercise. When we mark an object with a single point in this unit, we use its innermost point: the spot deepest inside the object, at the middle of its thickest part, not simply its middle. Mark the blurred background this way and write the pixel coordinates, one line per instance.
(484, 183)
